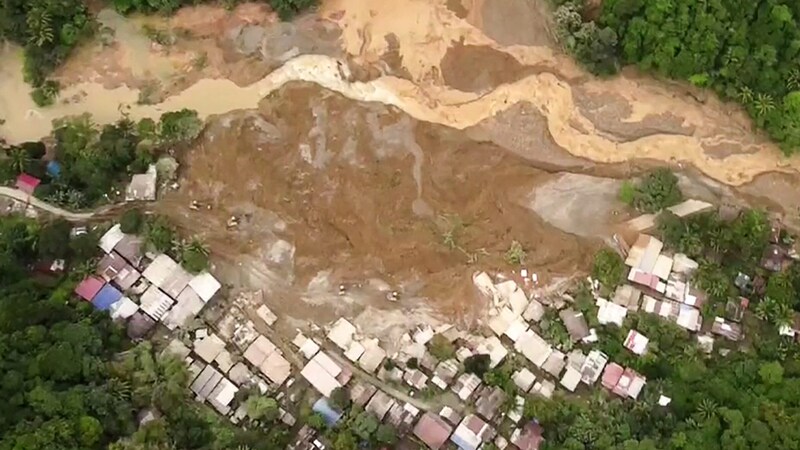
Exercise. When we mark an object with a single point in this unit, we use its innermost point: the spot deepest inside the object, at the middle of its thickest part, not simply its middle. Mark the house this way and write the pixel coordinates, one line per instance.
(155, 302)
(644, 253)
(205, 383)
(139, 325)
(545, 388)
(534, 348)
(361, 392)
(627, 296)
(209, 347)
(489, 402)
(500, 323)
(276, 368)
(445, 373)
(529, 437)
(647, 279)
(373, 356)
(450, 415)
(734, 309)
(130, 246)
(142, 186)
(571, 379)
(689, 318)
(354, 351)
(636, 342)
(205, 286)
(432, 430)
(729, 330)
(576, 324)
(402, 416)
(159, 271)
(682, 264)
(534, 312)
(89, 287)
(240, 374)
(123, 309)
(555, 363)
(176, 282)
(322, 372)
(465, 385)
(415, 379)
(342, 333)
(623, 382)
(27, 183)
(110, 265)
(593, 366)
(494, 348)
(380, 404)
(523, 379)
(187, 306)
(222, 396)
(471, 433)
(428, 362)
(608, 312)
(329, 415)
(107, 296)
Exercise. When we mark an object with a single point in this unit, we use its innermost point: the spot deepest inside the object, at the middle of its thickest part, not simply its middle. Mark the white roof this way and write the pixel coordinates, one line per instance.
(524, 379)
(423, 334)
(320, 378)
(683, 264)
(276, 368)
(534, 311)
(500, 323)
(258, 351)
(111, 238)
(610, 312)
(309, 348)
(663, 267)
(342, 333)
(636, 387)
(327, 363)
(485, 284)
(205, 285)
(123, 309)
(571, 379)
(466, 435)
(533, 347)
(222, 396)
(355, 351)
(689, 318)
(494, 348)
(155, 303)
(209, 347)
(266, 315)
(186, 308)
(649, 304)
(636, 342)
(142, 185)
(373, 356)
(512, 296)
(516, 329)
(160, 269)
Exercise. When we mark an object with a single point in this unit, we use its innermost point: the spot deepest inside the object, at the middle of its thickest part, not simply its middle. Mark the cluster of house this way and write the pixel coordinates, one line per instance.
(326, 372)
(144, 289)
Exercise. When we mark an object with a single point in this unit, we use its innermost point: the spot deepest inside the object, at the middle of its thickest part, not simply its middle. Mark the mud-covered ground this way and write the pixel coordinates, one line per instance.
(398, 145)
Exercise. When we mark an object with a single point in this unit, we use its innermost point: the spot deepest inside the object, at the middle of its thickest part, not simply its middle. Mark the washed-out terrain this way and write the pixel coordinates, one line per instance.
(398, 146)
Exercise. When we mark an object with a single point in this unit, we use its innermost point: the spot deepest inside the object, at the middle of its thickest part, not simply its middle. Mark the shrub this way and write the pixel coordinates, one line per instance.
(657, 190)
(46, 94)
(131, 221)
(441, 348)
(608, 268)
(477, 364)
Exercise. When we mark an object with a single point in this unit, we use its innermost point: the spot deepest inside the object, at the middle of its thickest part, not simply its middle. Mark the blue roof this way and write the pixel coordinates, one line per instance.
(461, 443)
(106, 297)
(330, 415)
(54, 169)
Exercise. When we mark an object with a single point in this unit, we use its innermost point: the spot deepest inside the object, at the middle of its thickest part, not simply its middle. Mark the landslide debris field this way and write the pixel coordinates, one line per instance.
(398, 146)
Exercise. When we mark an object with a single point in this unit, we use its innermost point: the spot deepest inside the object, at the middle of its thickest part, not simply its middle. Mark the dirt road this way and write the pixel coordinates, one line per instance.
(23, 197)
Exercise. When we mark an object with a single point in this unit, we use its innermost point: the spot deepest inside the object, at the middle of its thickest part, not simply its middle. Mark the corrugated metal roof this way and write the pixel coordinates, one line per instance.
(155, 303)
(160, 269)
(111, 238)
(205, 285)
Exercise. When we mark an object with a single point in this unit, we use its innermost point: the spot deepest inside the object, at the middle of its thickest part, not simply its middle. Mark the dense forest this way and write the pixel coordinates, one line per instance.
(48, 30)
(69, 378)
(744, 50)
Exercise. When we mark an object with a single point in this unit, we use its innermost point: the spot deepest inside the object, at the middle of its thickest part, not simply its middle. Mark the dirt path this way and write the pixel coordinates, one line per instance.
(23, 197)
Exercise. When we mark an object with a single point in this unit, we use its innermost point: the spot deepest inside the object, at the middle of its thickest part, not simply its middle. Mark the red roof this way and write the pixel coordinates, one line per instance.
(27, 183)
(611, 375)
(432, 430)
(89, 287)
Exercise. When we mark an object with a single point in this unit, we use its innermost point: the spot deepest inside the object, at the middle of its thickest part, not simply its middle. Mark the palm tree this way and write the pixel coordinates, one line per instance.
(19, 159)
(763, 308)
(793, 80)
(745, 95)
(763, 104)
(707, 408)
(39, 26)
